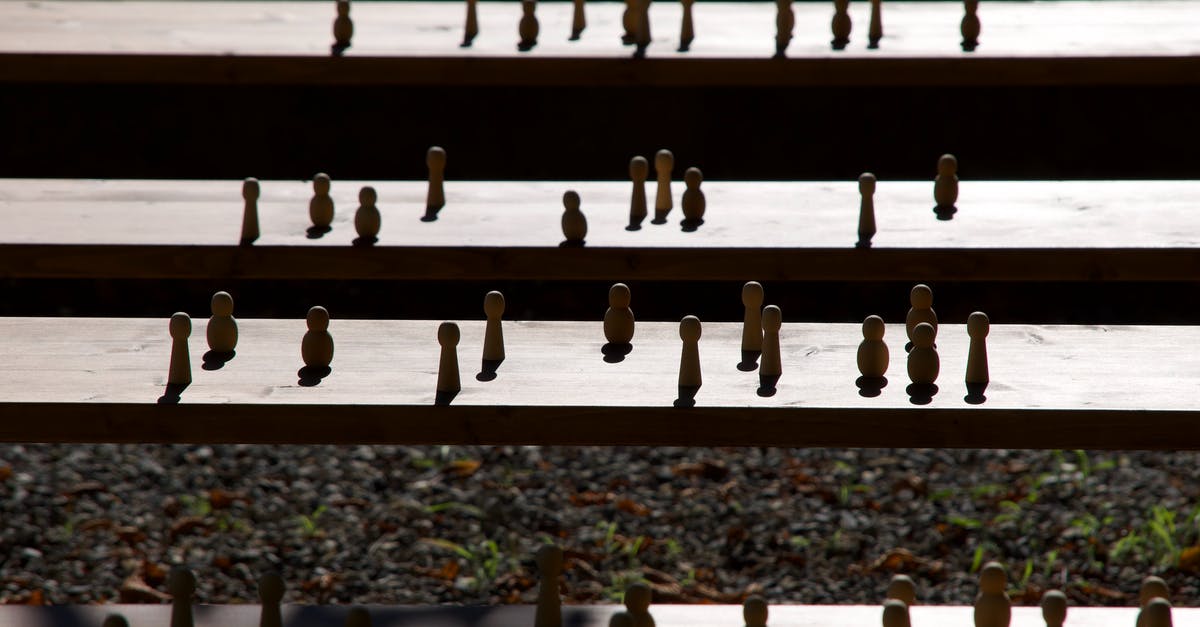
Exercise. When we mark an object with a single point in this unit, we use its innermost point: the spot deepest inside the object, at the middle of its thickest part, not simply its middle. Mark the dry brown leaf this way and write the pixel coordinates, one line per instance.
(462, 467)
(631, 507)
(586, 498)
(1189, 558)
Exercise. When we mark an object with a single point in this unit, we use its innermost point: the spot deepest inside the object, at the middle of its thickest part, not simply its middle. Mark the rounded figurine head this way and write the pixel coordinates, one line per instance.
(978, 324)
(901, 587)
(367, 196)
(639, 168)
(921, 296)
(493, 304)
(948, 164)
(752, 294)
(754, 611)
(993, 579)
(689, 329)
(1157, 613)
(527, 6)
(448, 334)
(181, 582)
(866, 183)
(181, 325)
(571, 200)
(270, 588)
(1054, 607)
(321, 183)
(435, 158)
(618, 296)
(772, 318)
(621, 619)
(873, 328)
(664, 160)
(222, 304)
(343, 8)
(550, 560)
(637, 596)
(250, 189)
(318, 318)
(692, 178)
(1153, 587)
(115, 620)
(895, 613)
(922, 337)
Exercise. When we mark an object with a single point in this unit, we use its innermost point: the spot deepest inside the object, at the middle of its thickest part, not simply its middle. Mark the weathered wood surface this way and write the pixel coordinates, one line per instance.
(573, 616)
(79, 379)
(1071, 42)
(1051, 230)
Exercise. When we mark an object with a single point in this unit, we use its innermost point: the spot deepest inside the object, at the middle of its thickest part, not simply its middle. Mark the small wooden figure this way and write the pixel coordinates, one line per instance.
(992, 606)
(1157, 613)
(693, 203)
(528, 27)
(320, 208)
(1153, 587)
(977, 362)
(637, 595)
(923, 363)
(222, 329)
(343, 28)
(1054, 608)
(895, 614)
(754, 611)
(250, 213)
(970, 25)
(448, 380)
(641, 35)
(435, 159)
(629, 21)
(115, 620)
(182, 585)
(270, 594)
(752, 300)
(785, 23)
(574, 223)
(687, 31)
(945, 185)
(180, 371)
(840, 24)
(621, 619)
(921, 298)
(618, 320)
(901, 587)
(549, 604)
(689, 366)
(367, 219)
(358, 617)
(664, 162)
(873, 364)
(866, 209)
(316, 349)
(875, 30)
(578, 20)
(771, 362)
(493, 335)
(639, 170)
(471, 29)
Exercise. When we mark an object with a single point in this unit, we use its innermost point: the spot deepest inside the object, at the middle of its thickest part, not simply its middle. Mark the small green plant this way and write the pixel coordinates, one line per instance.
(197, 506)
(309, 524)
(964, 522)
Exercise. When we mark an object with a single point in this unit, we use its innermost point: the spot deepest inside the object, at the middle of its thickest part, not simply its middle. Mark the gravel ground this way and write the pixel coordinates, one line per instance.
(386, 524)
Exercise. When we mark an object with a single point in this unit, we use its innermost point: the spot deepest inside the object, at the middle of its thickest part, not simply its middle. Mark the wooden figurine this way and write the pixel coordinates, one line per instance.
(639, 171)
(840, 24)
(977, 361)
(771, 362)
(689, 366)
(1054, 608)
(873, 364)
(641, 35)
(754, 612)
(637, 595)
(574, 223)
(270, 594)
(435, 160)
(629, 21)
(320, 208)
(895, 614)
(945, 185)
(1153, 587)
(549, 604)
(316, 349)
(471, 29)
(875, 30)
(528, 27)
(664, 162)
(752, 300)
(250, 194)
(970, 25)
(921, 298)
(901, 587)
(343, 28)
(687, 31)
(181, 583)
(693, 203)
(785, 23)
(367, 219)
(923, 363)
(222, 328)
(618, 320)
(448, 379)
(358, 617)
(620, 619)
(578, 20)
(1157, 613)
(992, 606)
(866, 209)
(180, 371)
(115, 620)
(493, 335)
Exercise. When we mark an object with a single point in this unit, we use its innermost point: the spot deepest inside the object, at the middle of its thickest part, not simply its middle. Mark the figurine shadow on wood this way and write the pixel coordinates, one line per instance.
(767, 385)
(634, 226)
(172, 393)
(431, 214)
(317, 232)
(921, 393)
(690, 226)
(364, 241)
(945, 213)
(975, 393)
(487, 370)
(615, 352)
(687, 396)
(569, 243)
(215, 360)
(749, 361)
(444, 397)
(870, 387)
(312, 375)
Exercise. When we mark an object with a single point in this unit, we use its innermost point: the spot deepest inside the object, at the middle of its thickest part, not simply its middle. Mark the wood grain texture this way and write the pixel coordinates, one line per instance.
(1052, 230)
(78, 379)
(1069, 42)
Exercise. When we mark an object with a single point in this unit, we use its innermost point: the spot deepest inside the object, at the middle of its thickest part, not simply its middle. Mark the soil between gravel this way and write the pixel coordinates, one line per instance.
(421, 525)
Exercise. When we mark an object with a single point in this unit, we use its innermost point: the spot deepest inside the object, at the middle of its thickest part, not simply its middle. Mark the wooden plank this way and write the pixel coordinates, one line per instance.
(576, 616)
(79, 379)
(1049, 230)
(1068, 42)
